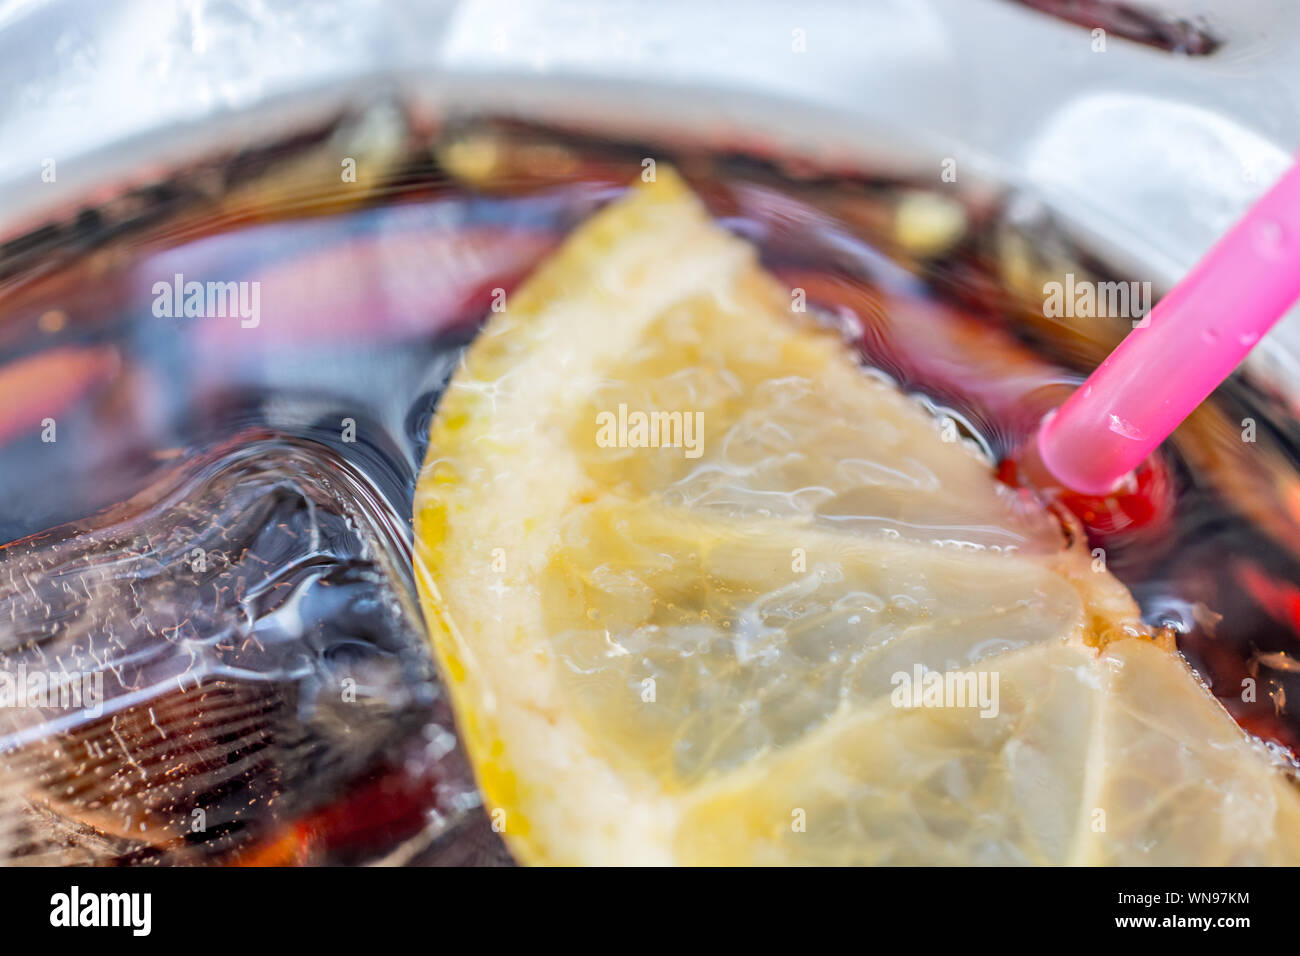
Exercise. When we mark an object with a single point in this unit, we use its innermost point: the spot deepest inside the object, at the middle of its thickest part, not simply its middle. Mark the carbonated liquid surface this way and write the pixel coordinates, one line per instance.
(215, 394)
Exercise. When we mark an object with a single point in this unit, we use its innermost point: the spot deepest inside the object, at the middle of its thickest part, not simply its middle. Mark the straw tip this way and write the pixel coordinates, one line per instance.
(1141, 500)
(1072, 465)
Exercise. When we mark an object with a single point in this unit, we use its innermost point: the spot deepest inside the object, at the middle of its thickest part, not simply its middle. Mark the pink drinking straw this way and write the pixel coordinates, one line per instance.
(1196, 336)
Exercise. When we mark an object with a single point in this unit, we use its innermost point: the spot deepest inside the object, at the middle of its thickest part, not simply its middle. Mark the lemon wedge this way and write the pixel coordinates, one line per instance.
(706, 591)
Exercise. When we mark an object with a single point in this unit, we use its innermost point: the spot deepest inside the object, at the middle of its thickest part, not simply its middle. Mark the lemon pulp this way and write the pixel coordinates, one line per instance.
(680, 557)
